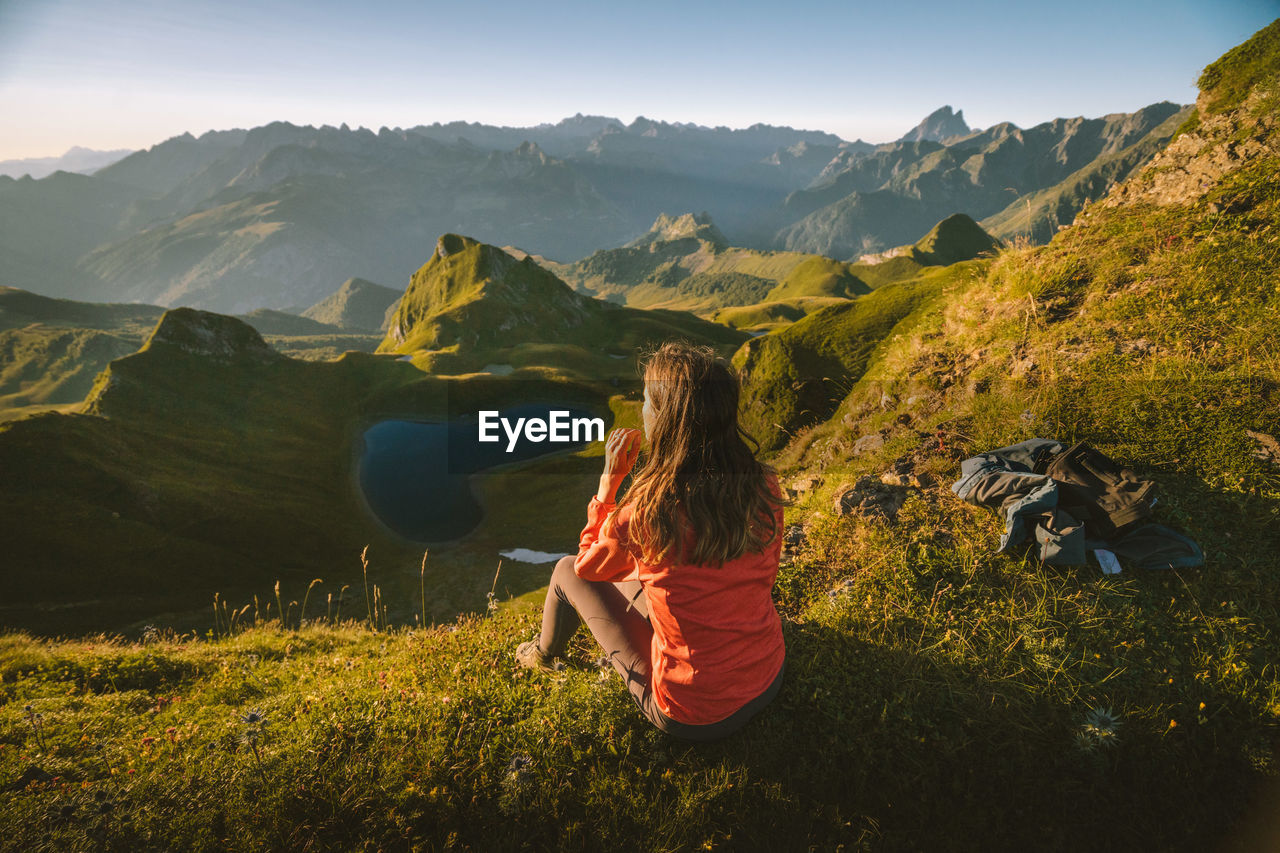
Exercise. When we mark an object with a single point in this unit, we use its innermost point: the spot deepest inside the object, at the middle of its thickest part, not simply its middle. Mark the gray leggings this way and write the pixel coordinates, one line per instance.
(617, 615)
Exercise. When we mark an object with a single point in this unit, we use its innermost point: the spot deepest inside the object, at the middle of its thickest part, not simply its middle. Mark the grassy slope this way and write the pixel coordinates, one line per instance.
(175, 494)
(184, 471)
(935, 699)
(762, 291)
(44, 366)
(674, 274)
(52, 350)
(473, 305)
(797, 375)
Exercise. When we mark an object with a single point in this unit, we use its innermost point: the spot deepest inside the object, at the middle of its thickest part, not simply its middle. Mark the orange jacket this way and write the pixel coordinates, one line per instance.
(717, 638)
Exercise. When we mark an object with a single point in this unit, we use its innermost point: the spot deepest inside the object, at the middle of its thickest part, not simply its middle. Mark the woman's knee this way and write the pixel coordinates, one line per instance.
(563, 575)
(563, 569)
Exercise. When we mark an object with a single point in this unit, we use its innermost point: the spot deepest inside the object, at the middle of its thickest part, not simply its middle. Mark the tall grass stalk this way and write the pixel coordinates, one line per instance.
(337, 616)
(493, 601)
(364, 567)
(302, 616)
(422, 581)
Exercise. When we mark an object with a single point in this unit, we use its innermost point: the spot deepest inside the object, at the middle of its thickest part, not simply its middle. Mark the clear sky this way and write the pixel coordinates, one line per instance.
(131, 73)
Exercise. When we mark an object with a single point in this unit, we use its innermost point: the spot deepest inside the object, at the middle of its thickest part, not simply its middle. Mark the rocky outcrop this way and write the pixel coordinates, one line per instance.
(214, 336)
(1197, 160)
(689, 226)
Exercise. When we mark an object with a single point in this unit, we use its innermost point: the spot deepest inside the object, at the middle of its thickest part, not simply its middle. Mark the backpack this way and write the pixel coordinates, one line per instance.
(1108, 498)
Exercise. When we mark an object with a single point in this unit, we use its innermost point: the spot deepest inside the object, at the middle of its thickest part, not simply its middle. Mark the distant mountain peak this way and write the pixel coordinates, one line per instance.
(465, 279)
(644, 125)
(357, 304)
(579, 120)
(530, 149)
(938, 125)
(668, 229)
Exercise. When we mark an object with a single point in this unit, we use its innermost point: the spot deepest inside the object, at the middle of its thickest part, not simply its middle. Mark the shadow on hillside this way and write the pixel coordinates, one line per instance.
(923, 755)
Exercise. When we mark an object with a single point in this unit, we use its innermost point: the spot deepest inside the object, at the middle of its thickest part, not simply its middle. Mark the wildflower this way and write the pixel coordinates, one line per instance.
(254, 718)
(842, 587)
(515, 785)
(1102, 718)
(1098, 730)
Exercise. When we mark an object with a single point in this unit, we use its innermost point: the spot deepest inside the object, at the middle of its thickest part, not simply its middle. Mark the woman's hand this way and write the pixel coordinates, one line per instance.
(620, 452)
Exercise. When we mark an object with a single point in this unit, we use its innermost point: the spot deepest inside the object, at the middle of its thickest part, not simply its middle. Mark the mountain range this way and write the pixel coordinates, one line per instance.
(83, 160)
(279, 216)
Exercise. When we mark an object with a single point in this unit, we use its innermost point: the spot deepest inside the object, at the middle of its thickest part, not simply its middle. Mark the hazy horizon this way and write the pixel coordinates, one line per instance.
(114, 74)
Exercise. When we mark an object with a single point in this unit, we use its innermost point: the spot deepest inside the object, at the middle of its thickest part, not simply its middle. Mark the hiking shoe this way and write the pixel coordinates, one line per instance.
(529, 655)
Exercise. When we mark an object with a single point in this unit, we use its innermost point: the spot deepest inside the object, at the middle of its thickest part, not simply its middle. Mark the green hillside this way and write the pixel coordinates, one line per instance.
(42, 366)
(771, 315)
(821, 283)
(210, 449)
(796, 376)
(683, 262)
(51, 350)
(209, 462)
(1240, 72)
(473, 305)
(22, 308)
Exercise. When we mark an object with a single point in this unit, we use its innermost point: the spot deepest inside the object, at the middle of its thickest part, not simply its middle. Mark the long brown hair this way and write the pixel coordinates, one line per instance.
(698, 473)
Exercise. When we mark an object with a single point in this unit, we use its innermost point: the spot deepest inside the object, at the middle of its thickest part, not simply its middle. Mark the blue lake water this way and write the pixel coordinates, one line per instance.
(415, 474)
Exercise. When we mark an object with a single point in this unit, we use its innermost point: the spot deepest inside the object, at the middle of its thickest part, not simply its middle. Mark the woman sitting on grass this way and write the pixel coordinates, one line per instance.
(676, 583)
